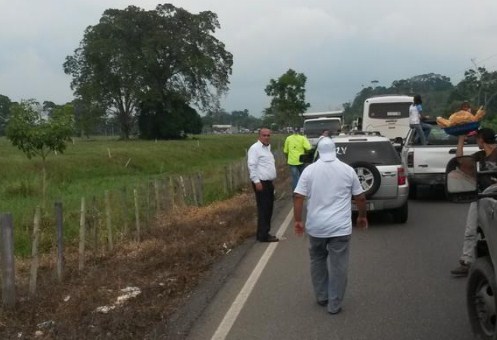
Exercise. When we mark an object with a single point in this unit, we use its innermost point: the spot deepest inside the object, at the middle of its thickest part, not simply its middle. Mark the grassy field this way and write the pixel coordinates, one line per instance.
(89, 167)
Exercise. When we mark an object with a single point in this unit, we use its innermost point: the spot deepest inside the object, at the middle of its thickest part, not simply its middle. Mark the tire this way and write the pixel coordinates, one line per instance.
(400, 214)
(413, 191)
(481, 299)
(369, 176)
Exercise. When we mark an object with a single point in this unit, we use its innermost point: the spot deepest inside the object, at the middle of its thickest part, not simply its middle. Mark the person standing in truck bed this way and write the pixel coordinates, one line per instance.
(487, 158)
(415, 120)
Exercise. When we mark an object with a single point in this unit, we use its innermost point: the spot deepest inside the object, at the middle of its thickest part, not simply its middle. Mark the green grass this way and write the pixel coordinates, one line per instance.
(89, 167)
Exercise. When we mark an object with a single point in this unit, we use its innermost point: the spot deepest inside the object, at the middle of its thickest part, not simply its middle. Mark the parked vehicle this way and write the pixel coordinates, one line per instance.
(481, 289)
(380, 171)
(316, 122)
(388, 115)
(426, 164)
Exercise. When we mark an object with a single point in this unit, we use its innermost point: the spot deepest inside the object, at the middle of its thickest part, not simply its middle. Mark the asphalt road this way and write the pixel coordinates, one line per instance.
(399, 284)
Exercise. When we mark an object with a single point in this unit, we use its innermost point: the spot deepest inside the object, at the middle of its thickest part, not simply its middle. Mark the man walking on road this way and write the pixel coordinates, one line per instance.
(295, 146)
(262, 172)
(329, 185)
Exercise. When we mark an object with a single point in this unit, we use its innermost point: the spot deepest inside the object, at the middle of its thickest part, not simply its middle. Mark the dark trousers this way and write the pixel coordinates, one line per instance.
(265, 201)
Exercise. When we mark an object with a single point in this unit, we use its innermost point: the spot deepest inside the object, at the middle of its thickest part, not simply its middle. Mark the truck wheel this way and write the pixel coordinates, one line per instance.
(400, 214)
(413, 191)
(369, 176)
(481, 298)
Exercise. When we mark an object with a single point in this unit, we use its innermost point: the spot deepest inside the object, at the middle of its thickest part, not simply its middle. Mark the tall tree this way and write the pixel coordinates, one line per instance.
(133, 56)
(288, 102)
(5, 104)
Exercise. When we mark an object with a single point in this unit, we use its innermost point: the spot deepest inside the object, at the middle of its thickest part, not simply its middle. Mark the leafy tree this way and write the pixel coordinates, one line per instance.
(288, 102)
(133, 58)
(5, 104)
(171, 119)
(88, 117)
(36, 135)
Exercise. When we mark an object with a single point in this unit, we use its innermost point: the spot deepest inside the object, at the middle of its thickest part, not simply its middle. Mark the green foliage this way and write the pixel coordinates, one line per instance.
(133, 56)
(288, 102)
(5, 104)
(36, 135)
(174, 121)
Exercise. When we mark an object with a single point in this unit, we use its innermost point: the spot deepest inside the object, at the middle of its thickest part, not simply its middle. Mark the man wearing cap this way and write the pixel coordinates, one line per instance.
(262, 172)
(295, 145)
(329, 186)
(487, 157)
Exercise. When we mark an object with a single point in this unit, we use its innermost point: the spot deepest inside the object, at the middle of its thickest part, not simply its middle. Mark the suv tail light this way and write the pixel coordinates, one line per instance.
(410, 159)
(401, 176)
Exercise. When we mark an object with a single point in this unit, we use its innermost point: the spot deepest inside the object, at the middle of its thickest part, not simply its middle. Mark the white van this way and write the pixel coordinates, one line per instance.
(389, 115)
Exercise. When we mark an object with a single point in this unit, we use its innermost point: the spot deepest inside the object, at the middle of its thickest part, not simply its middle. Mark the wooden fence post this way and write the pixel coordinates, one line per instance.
(82, 235)
(137, 216)
(125, 210)
(8, 262)
(34, 253)
(60, 239)
(226, 180)
(108, 220)
(200, 189)
(157, 196)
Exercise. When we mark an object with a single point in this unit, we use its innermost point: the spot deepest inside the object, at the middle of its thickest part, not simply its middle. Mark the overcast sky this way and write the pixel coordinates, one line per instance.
(339, 45)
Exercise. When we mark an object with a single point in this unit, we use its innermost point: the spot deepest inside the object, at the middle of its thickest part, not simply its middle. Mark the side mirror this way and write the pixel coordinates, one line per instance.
(398, 143)
(461, 179)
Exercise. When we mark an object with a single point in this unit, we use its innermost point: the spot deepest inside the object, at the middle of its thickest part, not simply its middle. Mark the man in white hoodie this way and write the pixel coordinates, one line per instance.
(329, 186)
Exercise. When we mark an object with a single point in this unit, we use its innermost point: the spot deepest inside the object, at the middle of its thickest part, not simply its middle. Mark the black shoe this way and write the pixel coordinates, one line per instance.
(270, 238)
(322, 302)
(460, 271)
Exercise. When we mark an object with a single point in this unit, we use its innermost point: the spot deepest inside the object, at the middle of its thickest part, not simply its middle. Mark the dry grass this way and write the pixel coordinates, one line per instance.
(175, 254)
(167, 265)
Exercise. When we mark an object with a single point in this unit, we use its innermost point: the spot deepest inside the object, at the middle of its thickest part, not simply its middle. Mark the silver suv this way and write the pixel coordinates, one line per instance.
(380, 170)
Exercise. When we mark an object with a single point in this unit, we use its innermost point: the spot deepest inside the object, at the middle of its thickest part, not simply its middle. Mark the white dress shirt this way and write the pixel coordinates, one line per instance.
(261, 163)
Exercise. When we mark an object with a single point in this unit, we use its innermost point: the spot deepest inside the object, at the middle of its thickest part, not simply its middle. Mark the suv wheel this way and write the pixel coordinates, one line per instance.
(400, 214)
(369, 176)
(481, 298)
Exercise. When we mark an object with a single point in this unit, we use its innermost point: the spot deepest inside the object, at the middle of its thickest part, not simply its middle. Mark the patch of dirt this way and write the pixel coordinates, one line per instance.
(174, 256)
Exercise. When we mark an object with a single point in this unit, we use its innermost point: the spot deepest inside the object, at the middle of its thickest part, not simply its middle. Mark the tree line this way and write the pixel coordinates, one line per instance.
(440, 96)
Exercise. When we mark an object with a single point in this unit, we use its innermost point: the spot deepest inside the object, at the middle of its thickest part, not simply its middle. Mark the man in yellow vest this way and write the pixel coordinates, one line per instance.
(295, 145)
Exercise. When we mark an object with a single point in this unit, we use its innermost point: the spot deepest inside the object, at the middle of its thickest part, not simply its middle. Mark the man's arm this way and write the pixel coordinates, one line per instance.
(360, 202)
(298, 204)
(460, 145)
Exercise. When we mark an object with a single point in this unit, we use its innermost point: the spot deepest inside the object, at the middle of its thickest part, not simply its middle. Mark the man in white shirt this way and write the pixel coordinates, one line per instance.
(262, 172)
(415, 115)
(329, 186)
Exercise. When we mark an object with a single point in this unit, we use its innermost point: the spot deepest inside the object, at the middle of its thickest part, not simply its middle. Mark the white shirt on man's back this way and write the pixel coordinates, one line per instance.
(329, 187)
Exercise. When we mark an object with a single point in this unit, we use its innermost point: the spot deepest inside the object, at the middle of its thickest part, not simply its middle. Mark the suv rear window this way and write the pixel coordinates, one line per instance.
(377, 153)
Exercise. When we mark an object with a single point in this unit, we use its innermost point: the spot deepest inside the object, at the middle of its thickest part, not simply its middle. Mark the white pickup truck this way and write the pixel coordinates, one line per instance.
(426, 164)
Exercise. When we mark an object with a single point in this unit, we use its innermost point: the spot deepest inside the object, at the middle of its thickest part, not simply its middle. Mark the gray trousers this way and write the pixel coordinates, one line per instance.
(329, 266)
(470, 234)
